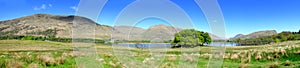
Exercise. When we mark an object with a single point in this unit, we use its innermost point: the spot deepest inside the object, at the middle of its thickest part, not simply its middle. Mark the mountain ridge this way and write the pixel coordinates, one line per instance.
(34, 24)
(256, 34)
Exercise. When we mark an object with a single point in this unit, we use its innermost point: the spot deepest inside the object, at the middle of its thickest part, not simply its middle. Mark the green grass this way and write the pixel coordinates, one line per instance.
(16, 50)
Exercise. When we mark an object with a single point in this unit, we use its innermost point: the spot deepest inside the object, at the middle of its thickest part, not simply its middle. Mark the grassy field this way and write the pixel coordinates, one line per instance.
(43, 54)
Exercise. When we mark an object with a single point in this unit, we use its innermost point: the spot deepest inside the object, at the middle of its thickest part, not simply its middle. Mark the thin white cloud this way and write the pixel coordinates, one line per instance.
(42, 7)
(74, 8)
(50, 5)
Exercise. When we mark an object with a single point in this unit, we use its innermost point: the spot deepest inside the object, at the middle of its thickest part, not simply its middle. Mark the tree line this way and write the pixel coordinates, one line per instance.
(50, 38)
(47, 35)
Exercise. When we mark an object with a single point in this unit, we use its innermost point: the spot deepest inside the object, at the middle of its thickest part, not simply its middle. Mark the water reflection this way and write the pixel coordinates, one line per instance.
(163, 45)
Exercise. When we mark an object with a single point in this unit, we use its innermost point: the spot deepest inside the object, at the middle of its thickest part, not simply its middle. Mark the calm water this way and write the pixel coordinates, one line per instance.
(145, 45)
(222, 43)
(168, 45)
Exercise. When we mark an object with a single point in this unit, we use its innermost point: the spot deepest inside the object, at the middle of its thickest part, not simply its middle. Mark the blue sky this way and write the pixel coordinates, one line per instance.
(241, 16)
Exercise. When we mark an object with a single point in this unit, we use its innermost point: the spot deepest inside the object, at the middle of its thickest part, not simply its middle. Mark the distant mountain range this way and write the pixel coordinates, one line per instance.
(238, 36)
(215, 37)
(135, 33)
(256, 34)
(37, 23)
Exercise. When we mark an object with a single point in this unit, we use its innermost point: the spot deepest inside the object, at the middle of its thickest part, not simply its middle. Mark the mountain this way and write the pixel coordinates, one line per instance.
(215, 37)
(123, 32)
(135, 33)
(66, 26)
(160, 31)
(238, 36)
(257, 34)
(37, 24)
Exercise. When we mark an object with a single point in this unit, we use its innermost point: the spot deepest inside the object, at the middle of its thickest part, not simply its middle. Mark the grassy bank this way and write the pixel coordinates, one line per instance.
(42, 54)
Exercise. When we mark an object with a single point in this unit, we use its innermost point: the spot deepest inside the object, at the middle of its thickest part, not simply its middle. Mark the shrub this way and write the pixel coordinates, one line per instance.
(258, 57)
(274, 65)
(270, 58)
(287, 63)
(46, 59)
(60, 60)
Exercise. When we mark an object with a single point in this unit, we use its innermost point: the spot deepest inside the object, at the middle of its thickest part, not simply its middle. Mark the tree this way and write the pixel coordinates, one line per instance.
(207, 39)
(29, 38)
(238, 40)
(48, 32)
(191, 38)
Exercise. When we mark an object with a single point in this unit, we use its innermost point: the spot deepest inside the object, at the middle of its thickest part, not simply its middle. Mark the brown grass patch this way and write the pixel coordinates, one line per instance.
(14, 64)
(172, 58)
(46, 59)
(33, 65)
(242, 65)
